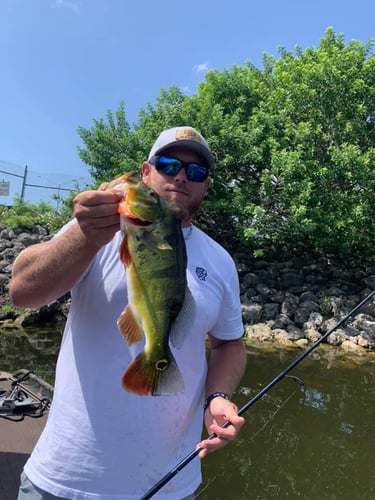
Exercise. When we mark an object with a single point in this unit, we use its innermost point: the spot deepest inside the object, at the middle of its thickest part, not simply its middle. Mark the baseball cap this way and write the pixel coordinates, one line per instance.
(183, 136)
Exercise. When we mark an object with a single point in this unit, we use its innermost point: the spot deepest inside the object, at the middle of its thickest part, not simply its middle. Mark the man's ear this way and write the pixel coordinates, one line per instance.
(208, 183)
(145, 170)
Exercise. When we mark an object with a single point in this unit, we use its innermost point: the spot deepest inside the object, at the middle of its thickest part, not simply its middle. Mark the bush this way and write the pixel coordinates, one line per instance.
(25, 215)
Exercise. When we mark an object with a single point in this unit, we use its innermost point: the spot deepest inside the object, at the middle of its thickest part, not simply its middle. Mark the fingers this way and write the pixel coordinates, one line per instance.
(222, 437)
(216, 415)
(97, 197)
(97, 214)
(98, 203)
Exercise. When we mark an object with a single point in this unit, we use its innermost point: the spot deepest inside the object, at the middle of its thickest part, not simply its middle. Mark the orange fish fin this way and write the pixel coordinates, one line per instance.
(118, 183)
(122, 207)
(183, 324)
(129, 327)
(125, 256)
(153, 378)
(122, 181)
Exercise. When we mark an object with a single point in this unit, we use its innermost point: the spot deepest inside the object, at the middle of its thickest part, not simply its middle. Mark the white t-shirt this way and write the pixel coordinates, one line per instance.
(102, 442)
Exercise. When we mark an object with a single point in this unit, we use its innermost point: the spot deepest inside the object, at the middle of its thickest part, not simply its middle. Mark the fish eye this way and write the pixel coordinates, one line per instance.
(152, 194)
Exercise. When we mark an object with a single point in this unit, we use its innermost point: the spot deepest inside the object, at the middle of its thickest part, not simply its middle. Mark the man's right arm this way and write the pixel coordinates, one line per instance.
(43, 272)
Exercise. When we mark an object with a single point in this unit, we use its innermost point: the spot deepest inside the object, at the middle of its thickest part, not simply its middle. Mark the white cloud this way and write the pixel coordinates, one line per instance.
(185, 89)
(201, 68)
(69, 4)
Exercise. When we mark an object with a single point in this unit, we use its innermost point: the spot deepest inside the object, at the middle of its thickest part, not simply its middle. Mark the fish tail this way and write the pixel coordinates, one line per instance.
(154, 378)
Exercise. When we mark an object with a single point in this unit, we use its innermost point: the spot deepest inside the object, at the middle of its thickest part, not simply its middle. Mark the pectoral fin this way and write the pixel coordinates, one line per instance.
(125, 255)
(150, 240)
(129, 326)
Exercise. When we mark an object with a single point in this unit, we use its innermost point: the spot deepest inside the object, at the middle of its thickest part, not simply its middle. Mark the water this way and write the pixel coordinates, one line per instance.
(299, 442)
(30, 349)
(310, 442)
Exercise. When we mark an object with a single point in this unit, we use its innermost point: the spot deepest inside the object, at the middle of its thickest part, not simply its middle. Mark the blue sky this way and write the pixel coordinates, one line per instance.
(66, 62)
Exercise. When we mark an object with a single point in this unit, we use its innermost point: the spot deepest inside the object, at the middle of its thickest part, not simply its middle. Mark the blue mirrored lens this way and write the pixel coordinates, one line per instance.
(171, 166)
(195, 172)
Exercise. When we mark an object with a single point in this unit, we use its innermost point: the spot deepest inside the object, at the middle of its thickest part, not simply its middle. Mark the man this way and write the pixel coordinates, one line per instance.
(100, 441)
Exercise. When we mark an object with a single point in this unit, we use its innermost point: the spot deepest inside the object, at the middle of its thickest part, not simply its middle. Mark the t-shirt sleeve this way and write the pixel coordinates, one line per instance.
(229, 325)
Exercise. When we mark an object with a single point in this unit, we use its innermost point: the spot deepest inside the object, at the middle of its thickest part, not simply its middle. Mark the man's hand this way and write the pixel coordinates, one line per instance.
(218, 412)
(97, 215)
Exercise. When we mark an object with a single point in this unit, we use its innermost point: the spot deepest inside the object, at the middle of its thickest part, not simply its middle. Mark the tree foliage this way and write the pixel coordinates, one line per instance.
(110, 146)
(294, 145)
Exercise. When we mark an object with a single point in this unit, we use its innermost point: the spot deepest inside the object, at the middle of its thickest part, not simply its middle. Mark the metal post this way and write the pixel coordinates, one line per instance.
(24, 183)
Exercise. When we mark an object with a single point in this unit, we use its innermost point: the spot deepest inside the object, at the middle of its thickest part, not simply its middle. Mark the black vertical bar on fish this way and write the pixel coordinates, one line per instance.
(164, 480)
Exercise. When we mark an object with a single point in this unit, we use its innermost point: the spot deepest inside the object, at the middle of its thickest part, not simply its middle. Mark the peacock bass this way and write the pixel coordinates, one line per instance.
(154, 254)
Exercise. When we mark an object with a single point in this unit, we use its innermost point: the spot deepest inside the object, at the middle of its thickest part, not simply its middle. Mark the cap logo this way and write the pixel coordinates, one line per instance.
(187, 134)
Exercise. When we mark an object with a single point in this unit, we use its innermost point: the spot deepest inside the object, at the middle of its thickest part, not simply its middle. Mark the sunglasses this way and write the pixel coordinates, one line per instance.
(172, 166)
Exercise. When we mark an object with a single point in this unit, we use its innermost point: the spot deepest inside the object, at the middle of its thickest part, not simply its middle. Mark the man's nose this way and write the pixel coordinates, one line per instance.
(181, 175)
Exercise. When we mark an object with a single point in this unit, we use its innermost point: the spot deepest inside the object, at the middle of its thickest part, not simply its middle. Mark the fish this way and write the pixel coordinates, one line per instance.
(154, 255)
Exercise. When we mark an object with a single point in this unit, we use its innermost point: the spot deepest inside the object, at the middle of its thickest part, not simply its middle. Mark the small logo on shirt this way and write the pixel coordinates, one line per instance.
(201, 273)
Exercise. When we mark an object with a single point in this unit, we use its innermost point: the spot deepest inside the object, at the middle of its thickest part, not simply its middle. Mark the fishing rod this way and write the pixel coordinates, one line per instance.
(173, 472)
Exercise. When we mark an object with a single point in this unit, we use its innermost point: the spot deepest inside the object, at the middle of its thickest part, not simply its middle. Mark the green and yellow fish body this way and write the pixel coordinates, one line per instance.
(153, 251)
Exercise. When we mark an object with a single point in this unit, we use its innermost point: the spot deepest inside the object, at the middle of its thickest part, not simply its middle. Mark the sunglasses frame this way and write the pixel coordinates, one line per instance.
(182, 164)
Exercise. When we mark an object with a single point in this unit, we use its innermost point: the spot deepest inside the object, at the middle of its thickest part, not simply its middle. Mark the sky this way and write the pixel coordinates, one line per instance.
(64, 63)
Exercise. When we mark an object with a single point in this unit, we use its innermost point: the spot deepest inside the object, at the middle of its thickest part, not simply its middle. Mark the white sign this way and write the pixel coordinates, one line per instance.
(4, 188)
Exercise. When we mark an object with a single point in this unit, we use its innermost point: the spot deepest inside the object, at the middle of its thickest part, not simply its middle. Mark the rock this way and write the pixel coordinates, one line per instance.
(270, 311)
(251, 313)
(302, 314)
(290, 278)
(302, 343)
(348, 345)
(286, 338)
(29, 317)
(250, 280)
(259, 332)
(312, 335)
(281, 321)
(289, 305)
(294, 333)
(315, 320)
(295, 301)
(365, 342)
(337, 337)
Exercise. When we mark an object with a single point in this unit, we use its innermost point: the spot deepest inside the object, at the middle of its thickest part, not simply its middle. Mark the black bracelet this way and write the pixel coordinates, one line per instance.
(213, 396)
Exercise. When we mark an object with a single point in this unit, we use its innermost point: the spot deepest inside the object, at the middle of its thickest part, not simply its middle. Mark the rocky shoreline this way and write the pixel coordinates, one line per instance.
(288, 303)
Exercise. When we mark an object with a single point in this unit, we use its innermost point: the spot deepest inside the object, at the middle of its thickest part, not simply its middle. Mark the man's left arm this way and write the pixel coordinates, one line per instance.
(226, 366)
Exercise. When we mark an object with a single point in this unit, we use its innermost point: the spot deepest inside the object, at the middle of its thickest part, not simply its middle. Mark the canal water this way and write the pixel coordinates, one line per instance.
(311, 441)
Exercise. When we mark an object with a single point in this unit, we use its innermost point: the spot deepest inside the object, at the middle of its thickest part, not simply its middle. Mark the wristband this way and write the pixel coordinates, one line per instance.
(213, 396)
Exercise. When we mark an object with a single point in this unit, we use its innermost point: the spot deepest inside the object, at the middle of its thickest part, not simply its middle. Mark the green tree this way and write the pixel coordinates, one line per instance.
(317, 192)
(110, 146)
(294, 145)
